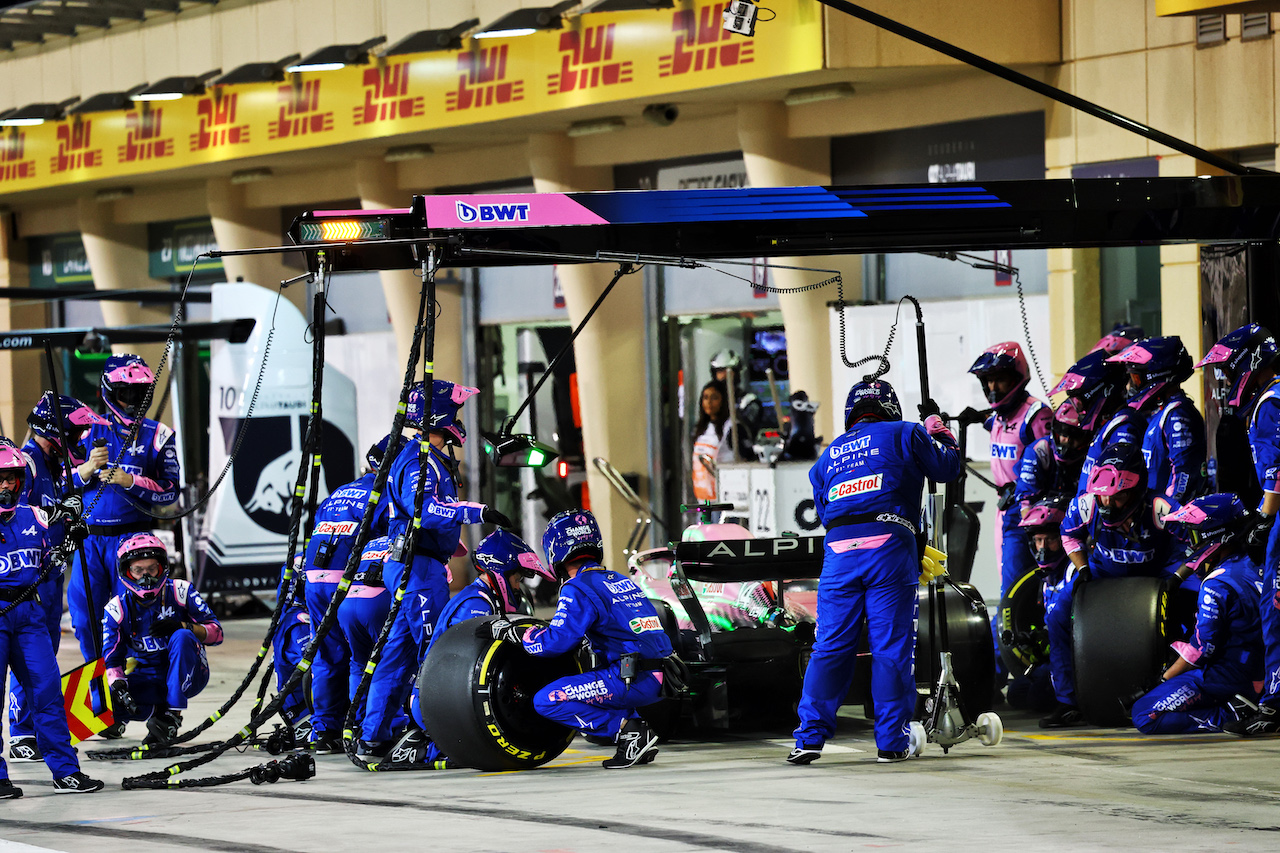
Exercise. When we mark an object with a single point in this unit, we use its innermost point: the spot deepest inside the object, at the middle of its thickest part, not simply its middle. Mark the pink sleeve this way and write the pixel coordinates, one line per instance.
(1070, 544)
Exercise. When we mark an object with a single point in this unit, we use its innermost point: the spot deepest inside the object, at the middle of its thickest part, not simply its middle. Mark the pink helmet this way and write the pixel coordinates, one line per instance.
(14, 460)
(141, 546)
(1070, 433)
(1005, 356)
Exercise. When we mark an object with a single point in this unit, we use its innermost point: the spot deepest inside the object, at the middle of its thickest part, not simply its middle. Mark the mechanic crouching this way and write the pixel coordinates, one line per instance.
(164, 624)
(1218, 672)
(623, 628)
(867, 486)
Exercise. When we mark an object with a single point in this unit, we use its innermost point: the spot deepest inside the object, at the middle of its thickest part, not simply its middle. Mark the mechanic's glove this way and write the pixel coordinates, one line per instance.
(492, 516)
(928, 408)
(675, 677)
(121, 700)
(933, 565)
(162, 628)
(503, 629)
(70, 509)
(939, 430)
(1256, 536)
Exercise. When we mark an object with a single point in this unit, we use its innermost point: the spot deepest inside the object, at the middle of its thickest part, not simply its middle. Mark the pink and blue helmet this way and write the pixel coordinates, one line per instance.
(1098, 383)
(77, 418)
(1209, 523)
(1120, 468)
(997, 358)
(503, 552)
(12, 459)
(141, 546)
(571, 534)
(1236, 358)
(446, 402)
(126, 381)
(1119, 338)
(1161, 362)
(1045, 517)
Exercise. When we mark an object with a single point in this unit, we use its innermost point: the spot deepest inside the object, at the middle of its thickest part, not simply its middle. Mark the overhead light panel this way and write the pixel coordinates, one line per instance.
(336, 56)
(407, 152)
(33, 114)
(814, 94)
(627, 6)
(256, 72)
(175, 88)
(426, 41)
(517, 451)
(113, 194)
(523, 22)
(105, 102)
(593, 126)
(248, 176)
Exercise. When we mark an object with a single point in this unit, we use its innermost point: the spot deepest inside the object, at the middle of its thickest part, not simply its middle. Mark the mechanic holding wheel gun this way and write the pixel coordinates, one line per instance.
(867, 486)
(621, 625)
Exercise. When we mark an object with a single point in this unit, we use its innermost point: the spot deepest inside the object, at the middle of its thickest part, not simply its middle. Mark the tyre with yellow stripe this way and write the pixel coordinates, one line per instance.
(477, 701)
(1020, 628)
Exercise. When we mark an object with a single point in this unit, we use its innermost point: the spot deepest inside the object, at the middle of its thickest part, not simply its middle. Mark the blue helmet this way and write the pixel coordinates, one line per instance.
(446, 401)
(1161, 362)
(1209, 523)
(1098, 383)
(126, 379)
(501, 553)
(77, 419)
(571, 534)
(378, 452)
(1116, 340)
(1241, 354)
(874, 398)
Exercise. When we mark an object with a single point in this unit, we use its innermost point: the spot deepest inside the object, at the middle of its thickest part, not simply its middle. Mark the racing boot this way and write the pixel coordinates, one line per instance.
(115, 731)
(801, 754)
(1266, 721)
(637, 744)
(9, 791)
(24, 749)
(162, 728)
(889, 756)
(372, 748)
(77, 783)
(1063, 717)
(326, 743)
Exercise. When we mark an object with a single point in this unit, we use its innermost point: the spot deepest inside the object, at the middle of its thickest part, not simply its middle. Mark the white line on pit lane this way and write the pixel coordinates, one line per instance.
(18, 847)
(830, 748)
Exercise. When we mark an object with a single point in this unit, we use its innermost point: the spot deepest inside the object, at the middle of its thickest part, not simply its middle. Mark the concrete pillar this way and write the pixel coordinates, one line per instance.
(774, 159)
(379, 190)
(21, 371)
(118, 258)
(609, 352)
(238, 226)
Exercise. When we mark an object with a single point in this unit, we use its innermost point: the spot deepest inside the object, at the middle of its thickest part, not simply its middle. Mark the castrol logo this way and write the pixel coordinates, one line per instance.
(857, 486)
(642, 624)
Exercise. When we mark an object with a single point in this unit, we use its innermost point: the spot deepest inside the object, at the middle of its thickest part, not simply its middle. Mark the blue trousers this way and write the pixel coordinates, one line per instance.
(25, 647)
(599, 701)
(329, 669)
(287, 646)
(1270, 612)
(875, 587)
(402, 655)
(1057, 620)
(169, 680)
(86, 616)
(362, 620)
(1195, 701)
(1015, 561)
(21, 721)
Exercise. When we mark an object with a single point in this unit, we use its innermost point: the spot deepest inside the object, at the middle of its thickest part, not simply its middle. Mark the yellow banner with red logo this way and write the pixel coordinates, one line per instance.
(595, 59)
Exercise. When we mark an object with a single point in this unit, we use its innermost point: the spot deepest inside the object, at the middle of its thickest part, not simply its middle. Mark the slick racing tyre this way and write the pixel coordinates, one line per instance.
(973, 659)
(1020, 630)
(477, 701)
(1119, 644)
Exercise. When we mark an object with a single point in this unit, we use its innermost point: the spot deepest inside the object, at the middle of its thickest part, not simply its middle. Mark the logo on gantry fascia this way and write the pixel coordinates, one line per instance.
(516, 212)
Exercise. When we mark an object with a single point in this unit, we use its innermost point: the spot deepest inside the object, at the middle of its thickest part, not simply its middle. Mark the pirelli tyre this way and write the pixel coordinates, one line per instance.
(477, 701)
(1119, 644)
(1020, 628)
(973, 659)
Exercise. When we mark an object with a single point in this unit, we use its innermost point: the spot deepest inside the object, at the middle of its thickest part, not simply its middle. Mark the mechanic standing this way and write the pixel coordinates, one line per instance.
(24, 636)
(287, 645)
(1222, 660)
(118, 498)
(47, 486)
(1246, 362)
(1017, 420)
(437, 418)
(867, 486)
(164, 625)
(622, 627)
(337, 519)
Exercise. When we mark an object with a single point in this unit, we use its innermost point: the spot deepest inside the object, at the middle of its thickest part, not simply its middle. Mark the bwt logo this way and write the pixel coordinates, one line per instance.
(492, 212)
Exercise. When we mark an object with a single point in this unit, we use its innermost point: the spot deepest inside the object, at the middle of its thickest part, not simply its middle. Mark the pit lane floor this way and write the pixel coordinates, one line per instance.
(1080, 789)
